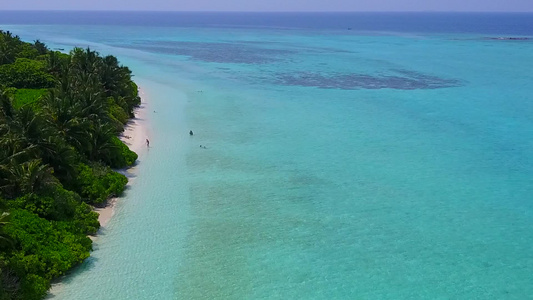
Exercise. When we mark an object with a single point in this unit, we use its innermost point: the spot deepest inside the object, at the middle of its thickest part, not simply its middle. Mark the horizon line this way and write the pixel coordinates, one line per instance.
(269, 11)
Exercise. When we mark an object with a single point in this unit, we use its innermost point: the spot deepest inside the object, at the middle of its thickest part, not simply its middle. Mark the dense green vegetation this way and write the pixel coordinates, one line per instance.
(23, 97)
(60, 115)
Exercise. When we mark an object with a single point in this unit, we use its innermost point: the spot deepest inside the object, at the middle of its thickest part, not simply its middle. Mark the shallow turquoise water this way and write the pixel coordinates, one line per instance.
(338, 166)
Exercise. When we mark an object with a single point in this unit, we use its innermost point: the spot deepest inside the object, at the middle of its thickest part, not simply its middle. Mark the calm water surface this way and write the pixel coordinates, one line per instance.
(349, 156)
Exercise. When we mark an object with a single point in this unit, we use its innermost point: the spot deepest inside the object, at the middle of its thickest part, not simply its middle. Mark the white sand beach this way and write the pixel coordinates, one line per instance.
(134, 135)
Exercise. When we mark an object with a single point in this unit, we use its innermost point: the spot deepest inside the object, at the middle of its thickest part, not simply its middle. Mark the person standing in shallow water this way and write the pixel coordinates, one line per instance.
(191, 133)
(147, 143)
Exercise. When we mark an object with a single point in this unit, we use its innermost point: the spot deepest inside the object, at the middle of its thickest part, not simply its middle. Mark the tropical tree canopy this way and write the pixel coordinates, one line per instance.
(60, 115)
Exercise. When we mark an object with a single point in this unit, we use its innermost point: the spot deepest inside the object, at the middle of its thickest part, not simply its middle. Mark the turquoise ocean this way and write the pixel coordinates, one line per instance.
(348, 156)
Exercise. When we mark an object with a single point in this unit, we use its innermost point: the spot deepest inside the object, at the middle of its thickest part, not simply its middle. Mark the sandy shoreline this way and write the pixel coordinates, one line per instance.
(134, 135)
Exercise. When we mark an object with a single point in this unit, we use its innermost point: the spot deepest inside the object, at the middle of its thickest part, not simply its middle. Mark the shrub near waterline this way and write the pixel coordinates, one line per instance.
(43, 250)
(121, 155)
(99, 183)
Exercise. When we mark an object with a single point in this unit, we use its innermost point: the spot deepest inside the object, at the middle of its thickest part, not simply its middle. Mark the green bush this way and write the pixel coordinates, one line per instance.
(118, 113)
(27, 51)
(25, 73)
(54, 204)
(34, 287)
(134, 99)
(85, 220)
(99, 183)
(43, 250)
(121, 156)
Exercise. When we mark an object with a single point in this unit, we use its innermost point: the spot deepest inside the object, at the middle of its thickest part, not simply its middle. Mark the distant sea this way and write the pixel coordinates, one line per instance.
(348, 155)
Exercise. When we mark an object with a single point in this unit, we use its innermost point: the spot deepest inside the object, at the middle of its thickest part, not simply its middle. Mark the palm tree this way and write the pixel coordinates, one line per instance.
(5, 240)
(52, 149)
(65, 116)
(9, 45)
(14, 148)
(32, 176)
(7, 55)
(31, 127)
(55, 62)
(64, 161)
(101, 141)
(41, 47)
(85, 61)
(28, 177)
(6, 109)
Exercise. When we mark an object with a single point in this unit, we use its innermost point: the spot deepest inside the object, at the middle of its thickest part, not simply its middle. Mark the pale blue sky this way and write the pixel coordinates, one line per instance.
(273, 5)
